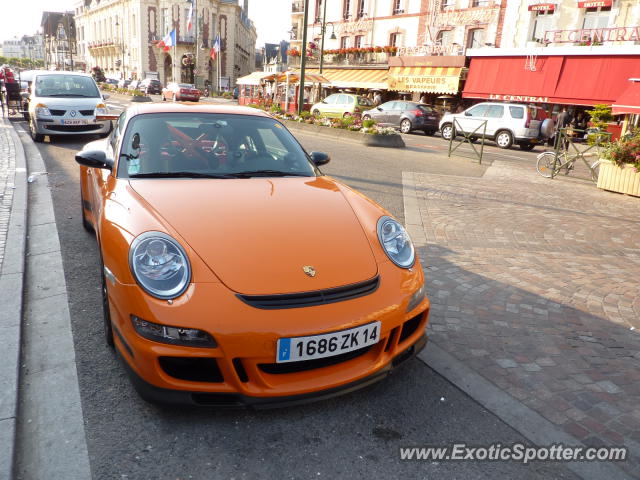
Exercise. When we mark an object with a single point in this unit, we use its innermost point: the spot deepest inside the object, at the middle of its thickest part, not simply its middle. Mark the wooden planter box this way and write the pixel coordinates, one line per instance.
(617, 179)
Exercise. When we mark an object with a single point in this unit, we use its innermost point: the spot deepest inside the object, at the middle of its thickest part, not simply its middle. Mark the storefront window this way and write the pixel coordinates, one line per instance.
(542, 22)
(475, 38)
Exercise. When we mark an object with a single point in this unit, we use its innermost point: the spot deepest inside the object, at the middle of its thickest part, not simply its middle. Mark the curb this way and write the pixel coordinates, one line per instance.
(387, 141)
(11, 288)
(50, 435)
(531, 425)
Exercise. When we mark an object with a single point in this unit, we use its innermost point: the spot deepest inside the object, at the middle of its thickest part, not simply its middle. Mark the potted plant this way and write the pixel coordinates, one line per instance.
(620, 165)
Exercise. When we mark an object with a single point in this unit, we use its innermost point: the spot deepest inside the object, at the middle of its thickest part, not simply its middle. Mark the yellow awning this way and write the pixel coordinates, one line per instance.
(424, 79)
(356, 78)
(309, 77)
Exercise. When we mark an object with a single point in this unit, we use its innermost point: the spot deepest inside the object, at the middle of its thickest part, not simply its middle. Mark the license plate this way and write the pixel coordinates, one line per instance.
(327, 345)
(74, 121)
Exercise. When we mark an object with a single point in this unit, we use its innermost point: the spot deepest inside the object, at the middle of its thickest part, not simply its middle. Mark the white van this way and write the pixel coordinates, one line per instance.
(507, 123)
(66, 103)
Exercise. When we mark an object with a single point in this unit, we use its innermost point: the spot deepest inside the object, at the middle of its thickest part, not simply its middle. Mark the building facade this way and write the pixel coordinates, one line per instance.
(59, 41)
(121, 37)
(28, 46)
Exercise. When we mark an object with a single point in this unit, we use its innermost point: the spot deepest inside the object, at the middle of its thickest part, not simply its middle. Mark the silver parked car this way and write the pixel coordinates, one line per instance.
(506, 123)
(66, 103)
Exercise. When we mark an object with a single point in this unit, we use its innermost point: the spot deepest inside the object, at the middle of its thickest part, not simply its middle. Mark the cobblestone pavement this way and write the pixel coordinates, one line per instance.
(535, 285)
(7, 171)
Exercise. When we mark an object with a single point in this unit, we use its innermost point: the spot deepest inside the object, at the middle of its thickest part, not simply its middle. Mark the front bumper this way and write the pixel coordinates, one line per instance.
(242, 369)
(56, 126)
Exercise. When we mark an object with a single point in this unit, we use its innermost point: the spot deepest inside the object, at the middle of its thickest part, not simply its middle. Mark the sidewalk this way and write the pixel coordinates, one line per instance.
(13, 204)
(535, 287)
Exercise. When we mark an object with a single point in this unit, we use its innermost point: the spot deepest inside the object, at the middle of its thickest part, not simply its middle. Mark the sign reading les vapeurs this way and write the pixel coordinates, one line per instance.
(615, 34)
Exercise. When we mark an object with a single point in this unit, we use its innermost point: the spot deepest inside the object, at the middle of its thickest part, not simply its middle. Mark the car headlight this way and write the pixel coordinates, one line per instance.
(42, 110)
(189, 337)
(417, 298)
(395, 242)
(159, 265)
(101, 109)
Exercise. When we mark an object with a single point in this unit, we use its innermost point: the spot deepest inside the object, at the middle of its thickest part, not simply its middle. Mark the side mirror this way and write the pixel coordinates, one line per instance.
(323, 102)
(320, 158)
(94, 159)
(379, 109)
(467, 114)
(105, 95)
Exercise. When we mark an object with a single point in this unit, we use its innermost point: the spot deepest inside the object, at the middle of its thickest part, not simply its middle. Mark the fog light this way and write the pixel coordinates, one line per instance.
(417, 297)
(188, 337)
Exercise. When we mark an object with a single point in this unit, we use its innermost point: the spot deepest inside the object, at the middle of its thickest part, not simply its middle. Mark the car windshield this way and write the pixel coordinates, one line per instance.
(210, 145)
(66, 86)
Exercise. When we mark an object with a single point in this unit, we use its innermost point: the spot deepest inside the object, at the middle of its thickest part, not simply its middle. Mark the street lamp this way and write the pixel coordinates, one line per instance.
(121, 47)
(323, 30)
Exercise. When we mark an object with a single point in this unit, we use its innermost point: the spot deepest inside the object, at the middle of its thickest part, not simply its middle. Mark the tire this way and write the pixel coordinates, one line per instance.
(366, 117)
(544, 164)
(86, 224)
(36, 137)
(346, 115)
(504, 139)
(316, 113)
(527, 147)
(448, 131)
(163, 98)
(405, 125)
(106, 314)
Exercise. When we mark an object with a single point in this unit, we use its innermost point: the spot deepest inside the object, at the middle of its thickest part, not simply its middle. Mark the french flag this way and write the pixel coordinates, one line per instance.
(189, 17)
(168, 41)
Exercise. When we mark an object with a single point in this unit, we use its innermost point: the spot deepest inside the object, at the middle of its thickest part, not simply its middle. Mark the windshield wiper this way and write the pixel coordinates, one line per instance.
(269, 173)
(179, 175)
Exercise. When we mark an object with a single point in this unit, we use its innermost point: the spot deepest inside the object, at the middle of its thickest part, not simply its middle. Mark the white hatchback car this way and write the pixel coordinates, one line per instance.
(506, 123)
(66, 103)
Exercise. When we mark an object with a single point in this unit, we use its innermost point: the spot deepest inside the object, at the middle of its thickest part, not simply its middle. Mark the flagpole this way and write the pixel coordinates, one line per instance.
(219, 52)
(175, 65)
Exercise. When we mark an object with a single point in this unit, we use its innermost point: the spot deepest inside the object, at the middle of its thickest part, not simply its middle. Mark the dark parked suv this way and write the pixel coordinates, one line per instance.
(149, 85)
(405, 115)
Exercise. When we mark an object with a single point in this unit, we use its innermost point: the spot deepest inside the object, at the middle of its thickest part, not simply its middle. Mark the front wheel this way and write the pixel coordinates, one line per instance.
(316, 113)
(504, 139)
(447, 131)
(405, 125)
(366, 117)
(106, 314)
(35, 136)
(545, 164)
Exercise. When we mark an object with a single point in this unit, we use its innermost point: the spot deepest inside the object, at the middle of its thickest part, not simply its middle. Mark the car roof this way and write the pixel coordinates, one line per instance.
(58, 72)
(188, 107)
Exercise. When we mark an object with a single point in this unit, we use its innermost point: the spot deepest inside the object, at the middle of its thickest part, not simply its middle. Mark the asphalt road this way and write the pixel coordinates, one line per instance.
(354, 436)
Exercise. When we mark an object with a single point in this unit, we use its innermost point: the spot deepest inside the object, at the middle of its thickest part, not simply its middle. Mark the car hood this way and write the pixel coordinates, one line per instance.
(68, 103)
(257, 234)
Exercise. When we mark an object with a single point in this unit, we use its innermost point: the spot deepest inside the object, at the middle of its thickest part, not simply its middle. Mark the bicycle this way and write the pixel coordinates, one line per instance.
(550, 164)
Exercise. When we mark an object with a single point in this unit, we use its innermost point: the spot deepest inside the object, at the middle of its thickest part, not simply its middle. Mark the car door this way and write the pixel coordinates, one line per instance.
(394, 113)
(472, 118)
(496, 119)
(327, 105)
(380, 113)
(341, 106)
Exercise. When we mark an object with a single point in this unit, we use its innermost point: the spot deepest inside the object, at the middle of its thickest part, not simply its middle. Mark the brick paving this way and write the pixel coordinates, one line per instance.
(7, 171)
(535, 285)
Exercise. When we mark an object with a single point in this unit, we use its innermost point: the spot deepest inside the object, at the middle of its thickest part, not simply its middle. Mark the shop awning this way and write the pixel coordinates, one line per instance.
(571, 80)
(424, 79)
(309, 77)
(253, 78)
(629, 101)
(356, 78)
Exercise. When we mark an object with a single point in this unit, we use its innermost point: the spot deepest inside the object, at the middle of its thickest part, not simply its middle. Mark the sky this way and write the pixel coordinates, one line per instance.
(271, 17)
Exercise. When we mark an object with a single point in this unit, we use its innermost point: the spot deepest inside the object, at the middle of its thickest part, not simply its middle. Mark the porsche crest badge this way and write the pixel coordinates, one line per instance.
(309, 270)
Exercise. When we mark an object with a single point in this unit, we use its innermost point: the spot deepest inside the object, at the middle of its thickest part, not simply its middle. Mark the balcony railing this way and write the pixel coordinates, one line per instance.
(346, 59)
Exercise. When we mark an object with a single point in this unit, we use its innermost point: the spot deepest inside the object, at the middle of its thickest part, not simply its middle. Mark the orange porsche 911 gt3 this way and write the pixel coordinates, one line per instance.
(234, 273)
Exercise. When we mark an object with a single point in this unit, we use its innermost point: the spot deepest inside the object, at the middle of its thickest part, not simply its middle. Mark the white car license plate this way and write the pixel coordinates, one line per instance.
(74, 121)
(327, 345)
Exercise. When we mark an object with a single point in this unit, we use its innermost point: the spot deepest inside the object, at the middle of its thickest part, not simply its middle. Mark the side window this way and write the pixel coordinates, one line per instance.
(477, 111)
(495, 111)
(516, 112)
(342, 100)
(271, 142)
(396, 106)
(331, 99)
(350, 100)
